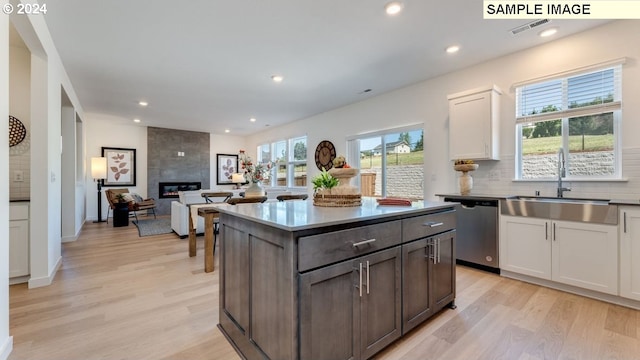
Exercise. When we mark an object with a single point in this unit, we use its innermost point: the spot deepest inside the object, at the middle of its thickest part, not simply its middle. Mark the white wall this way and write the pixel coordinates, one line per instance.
(426, 102)
(223, 144)
(109, 131)
(47, 78)
(6, 342)
(20, 107)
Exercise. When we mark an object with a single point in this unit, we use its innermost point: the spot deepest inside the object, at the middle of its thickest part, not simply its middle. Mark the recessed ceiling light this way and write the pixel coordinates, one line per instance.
(252, 119)
(548, 32)
(143, 103)
(136, 120)
(393, 8)
(277, 78)
(227, 130)
(453, 49)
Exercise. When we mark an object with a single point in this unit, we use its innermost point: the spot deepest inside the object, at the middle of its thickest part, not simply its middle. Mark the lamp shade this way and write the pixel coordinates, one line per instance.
(99, 167)
(237, 178)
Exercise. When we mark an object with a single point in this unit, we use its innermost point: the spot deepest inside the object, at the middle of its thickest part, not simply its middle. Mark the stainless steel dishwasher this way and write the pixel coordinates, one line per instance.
(477, 232)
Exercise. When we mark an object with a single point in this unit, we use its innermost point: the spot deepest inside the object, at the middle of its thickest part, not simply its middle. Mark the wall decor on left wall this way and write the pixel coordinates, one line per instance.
(121, 166)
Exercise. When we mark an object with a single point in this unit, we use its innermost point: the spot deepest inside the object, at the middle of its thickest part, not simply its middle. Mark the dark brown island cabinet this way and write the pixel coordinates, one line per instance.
(305, 282)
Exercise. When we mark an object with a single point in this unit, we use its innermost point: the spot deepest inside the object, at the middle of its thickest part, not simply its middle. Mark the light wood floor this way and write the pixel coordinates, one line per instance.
(120, 296)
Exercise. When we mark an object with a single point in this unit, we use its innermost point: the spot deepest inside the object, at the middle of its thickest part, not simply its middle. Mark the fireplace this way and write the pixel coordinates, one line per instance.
(170, 189)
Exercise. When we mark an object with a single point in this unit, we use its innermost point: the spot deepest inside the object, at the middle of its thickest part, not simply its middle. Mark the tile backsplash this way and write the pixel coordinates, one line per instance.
(20, 170)
(496, 178)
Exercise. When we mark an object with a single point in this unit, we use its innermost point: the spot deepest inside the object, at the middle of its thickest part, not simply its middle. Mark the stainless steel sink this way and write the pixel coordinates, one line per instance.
(564, 200)
(570, 209)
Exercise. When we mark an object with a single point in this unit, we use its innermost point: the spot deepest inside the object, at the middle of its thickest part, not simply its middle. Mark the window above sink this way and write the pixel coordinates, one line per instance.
(579, 111)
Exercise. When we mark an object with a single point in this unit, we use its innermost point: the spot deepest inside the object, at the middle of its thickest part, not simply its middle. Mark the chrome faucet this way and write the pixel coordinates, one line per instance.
(561, 173)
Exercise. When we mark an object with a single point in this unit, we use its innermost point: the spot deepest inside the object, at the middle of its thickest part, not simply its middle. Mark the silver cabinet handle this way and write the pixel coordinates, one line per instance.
(367, 277)
(625, 222)
(433, 224)
(554, 231)
(439, 251)
(433, 248)
(546, 230)
(363, 242)
(360, 273)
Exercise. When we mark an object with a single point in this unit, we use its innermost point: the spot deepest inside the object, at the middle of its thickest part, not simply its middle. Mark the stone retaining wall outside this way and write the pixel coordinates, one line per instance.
(587, 163)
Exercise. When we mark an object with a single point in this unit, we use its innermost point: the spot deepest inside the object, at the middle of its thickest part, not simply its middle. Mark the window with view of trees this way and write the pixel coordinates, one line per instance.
(579, 114)
(289, 159)
(391, 163)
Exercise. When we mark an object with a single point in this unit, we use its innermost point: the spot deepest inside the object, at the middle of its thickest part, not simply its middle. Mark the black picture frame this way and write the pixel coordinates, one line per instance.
(121, 166)
(226, 165)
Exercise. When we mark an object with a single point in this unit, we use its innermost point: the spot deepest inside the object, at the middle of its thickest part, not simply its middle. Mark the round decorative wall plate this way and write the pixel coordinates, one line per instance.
(17, 131)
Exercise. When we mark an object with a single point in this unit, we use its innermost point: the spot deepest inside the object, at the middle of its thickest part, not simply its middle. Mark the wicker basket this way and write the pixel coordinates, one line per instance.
(337, 200)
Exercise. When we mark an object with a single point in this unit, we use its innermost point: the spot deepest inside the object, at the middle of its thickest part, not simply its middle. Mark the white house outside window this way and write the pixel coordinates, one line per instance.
(391, 162)
(578, 114)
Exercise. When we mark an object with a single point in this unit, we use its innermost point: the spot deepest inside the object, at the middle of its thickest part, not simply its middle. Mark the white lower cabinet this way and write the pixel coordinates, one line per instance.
(630, 252)
(525, 247)
(574, 253)
(18, 240)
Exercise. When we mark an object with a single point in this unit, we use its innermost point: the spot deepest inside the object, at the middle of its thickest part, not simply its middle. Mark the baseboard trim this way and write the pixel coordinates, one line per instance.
(46, 280)
(574, 290)
(6, 348)
(66, 239)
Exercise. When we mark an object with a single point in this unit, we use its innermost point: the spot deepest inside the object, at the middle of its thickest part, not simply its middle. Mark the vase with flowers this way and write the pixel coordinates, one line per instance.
(254, 173)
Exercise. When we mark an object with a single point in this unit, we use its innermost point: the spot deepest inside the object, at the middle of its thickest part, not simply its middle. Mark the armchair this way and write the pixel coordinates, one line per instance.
(134, 205)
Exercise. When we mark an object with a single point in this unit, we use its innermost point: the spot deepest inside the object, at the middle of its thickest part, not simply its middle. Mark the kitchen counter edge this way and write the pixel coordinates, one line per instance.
(317, 217)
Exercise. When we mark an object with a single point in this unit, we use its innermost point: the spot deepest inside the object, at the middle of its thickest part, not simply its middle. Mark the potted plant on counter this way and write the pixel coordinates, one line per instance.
(323, 183)
(331, 188)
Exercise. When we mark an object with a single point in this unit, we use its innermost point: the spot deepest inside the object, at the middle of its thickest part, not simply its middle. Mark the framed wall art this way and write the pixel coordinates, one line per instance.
(227, 164)
(121, 166)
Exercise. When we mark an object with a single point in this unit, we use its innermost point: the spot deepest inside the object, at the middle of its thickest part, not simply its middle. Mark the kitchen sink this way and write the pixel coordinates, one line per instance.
(570, 209)
(564, 200)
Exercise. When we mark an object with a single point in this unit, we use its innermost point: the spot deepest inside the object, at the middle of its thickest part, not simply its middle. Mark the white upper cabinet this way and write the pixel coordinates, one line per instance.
(474, 124)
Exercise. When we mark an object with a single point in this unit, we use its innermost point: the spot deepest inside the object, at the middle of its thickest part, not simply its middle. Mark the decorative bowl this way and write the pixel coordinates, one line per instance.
(465, 167)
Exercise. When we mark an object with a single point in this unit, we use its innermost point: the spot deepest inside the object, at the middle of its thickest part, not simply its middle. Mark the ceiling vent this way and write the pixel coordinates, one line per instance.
(531, 25)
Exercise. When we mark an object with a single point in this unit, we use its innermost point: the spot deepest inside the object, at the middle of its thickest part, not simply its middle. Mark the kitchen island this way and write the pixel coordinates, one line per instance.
(305, 282)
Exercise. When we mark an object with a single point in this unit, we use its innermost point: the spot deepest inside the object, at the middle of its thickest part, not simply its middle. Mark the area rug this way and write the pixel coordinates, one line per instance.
(149, 227)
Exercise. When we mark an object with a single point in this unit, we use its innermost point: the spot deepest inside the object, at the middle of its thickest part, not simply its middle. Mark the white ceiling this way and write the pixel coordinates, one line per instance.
(205, 65)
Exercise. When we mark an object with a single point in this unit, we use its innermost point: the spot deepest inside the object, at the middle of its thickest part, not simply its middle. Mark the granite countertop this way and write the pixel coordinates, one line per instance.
(302, 215)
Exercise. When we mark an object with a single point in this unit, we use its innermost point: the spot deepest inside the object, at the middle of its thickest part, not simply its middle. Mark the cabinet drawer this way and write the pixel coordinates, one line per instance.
(19, 212)
(427, 225)
(323, 249)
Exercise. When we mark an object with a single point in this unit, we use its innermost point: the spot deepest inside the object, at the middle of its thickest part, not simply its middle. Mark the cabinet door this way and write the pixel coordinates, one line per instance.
(381, 307)
(416, 272)
(585, 255)
(235, 278)
(443, 280)
(18, 248)
(525, 246)
(329, 316)
(470, 126)
(630, 253)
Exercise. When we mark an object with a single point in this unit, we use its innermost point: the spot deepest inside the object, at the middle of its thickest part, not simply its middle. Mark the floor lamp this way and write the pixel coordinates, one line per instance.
(99, 173)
